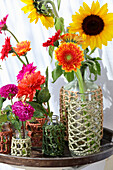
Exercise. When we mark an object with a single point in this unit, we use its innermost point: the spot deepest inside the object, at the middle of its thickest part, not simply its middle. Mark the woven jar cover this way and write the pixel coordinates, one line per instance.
(66, 96)
(21, 147)
(84, 125)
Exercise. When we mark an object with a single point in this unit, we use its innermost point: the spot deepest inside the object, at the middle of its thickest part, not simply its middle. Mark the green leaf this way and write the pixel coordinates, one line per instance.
(17, 124)
(56, 73)
(43, 95)
(58, 3)
(92, 51)
(69, 76)
(96, 58)
(2, 99)
(46, 81)
(51, 49)
(38, 108)
(3, 118)
(98, 68)
(59, 24)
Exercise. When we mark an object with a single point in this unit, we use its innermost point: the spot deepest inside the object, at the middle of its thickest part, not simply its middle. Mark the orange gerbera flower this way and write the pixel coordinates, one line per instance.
(69, 37)
(22, 48)
(29, 84)
(69, 56)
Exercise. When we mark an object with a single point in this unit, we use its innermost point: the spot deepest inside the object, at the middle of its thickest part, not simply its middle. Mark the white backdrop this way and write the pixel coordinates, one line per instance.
(19, 24)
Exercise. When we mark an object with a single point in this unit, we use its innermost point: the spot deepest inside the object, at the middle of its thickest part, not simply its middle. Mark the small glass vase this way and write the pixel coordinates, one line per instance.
(19, 146)
(53, 138)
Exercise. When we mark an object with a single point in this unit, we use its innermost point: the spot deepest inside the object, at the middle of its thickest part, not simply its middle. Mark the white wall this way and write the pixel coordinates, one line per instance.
(24, 30)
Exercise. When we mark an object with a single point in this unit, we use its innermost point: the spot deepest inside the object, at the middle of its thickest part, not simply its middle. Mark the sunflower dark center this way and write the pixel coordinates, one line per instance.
(92, 25)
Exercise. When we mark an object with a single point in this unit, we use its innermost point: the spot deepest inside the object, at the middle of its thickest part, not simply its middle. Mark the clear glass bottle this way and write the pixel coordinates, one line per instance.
(88, 84)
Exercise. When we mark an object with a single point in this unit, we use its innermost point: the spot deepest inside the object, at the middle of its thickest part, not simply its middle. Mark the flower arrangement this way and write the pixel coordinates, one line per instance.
(89, 28)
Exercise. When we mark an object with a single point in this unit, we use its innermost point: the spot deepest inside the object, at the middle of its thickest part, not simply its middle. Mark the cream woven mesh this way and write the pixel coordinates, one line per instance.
(84, 125)
(66, 96)
(21, 147)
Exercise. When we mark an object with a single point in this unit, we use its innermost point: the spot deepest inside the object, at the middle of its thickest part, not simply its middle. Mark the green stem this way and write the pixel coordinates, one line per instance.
(18, 56)
(11, 101)
(53, 5)
(26, 59)
(13, 35)
(23, 128)
(80, 81)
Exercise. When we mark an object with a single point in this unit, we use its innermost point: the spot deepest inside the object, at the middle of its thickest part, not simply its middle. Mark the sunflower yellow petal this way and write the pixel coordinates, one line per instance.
(32, 15)
(84, 12)
(77, 18)
(99, 41)
(27, 1)
(92, 42)
(86, 7)
(107, 35)
(103, 10)
(95, 8)
(27, 8)
(108, 19)
(47, 21)
(86, 42)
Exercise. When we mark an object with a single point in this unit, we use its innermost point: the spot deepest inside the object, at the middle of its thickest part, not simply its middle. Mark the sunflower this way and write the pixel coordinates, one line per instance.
(69, 37)
(95, 24)
(69, 56)
(37, 13)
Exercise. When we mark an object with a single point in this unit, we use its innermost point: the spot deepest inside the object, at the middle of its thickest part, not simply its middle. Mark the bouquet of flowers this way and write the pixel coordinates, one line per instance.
(72, 48)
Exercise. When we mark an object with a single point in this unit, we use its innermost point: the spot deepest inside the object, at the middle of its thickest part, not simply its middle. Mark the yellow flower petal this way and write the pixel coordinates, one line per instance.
(27, 1)
(47, 21)
(86, 7)
(27, 8)
(103, 10)
(95, 7)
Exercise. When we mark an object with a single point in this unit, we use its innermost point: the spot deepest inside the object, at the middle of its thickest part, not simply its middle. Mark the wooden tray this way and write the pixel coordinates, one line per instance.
(39, 160)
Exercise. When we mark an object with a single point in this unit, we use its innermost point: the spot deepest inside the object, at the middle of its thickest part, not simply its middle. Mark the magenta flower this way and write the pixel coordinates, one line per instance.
(28, 69)
(8, 91)
(24, 111)
(3, 24)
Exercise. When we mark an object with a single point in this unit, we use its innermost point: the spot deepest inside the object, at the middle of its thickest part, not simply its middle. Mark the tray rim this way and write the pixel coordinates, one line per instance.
(58, 161)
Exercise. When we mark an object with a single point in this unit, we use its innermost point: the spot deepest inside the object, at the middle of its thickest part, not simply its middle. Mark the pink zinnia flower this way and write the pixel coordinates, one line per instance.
(24, 111)
(8, 91)
(28, 69)
(6, 48)
(3, 24)
(51, 40)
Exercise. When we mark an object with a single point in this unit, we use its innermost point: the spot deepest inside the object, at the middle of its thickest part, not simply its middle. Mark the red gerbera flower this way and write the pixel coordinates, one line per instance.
(69, 56)
(29, 84)
(52, 39)
(6, 48)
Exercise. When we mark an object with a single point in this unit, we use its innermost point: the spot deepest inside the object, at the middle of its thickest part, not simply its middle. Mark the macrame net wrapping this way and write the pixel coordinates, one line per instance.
(53, 140)
(35, 132)
(21, 147)
(66, 96)
(5, 142)
(84, 124)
